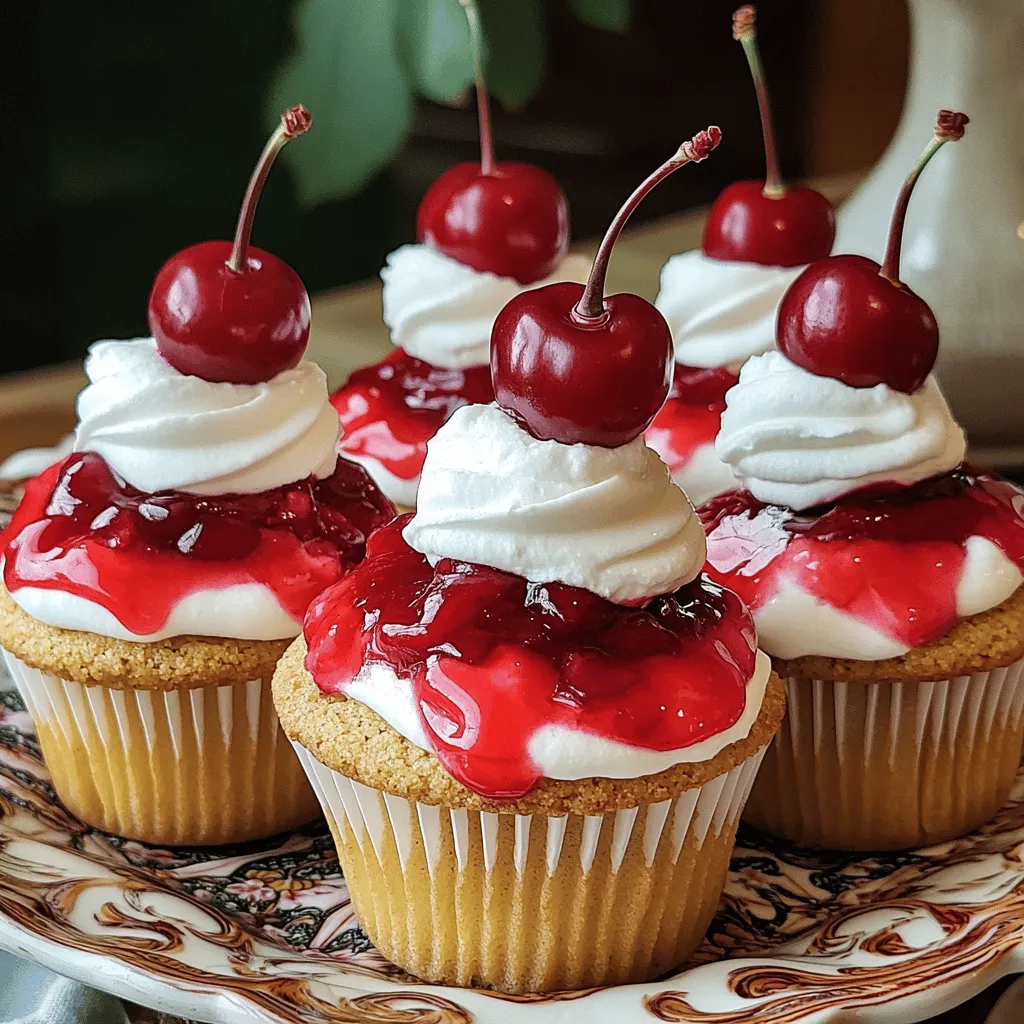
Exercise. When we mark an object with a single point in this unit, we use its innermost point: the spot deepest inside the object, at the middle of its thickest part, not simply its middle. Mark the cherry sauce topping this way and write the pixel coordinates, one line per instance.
(492, 658)
(891, 558)
(691, 417)
(390, 410)
(82, 529)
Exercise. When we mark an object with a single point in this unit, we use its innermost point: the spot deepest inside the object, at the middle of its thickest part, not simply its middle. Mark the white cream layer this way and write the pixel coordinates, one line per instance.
(721, 312)
(397, 489)
(798, 440)
(162, 430)
(243, 611)
(441, 311)
(558, 752)
(609, 520)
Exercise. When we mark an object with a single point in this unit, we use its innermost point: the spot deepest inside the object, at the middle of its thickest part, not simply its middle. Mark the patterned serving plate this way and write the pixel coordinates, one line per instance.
(265, 932)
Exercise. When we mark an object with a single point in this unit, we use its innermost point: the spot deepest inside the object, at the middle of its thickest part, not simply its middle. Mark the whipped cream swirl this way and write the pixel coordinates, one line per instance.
(608, 520)
(162, 430)
(721, 312)
(799, 440)
(442, 312)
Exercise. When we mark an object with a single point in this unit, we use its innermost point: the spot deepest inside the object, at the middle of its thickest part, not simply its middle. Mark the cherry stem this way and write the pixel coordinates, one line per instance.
(744, 21)
(590, 311)
(949, 127)
(294, 122)
(483, 103)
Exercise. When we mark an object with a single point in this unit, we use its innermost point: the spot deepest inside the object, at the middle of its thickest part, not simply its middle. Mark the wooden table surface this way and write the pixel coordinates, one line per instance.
(37, 408)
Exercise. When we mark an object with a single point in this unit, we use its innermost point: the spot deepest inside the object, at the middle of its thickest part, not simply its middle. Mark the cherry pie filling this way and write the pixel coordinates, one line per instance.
(82, 529)
(492, 658)
(892, 558)
(390, 410)
(690, 418)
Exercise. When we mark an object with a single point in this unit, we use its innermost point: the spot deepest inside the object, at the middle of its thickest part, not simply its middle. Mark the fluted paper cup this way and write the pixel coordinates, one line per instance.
(534, 903)
(182, 766)
(891, 765)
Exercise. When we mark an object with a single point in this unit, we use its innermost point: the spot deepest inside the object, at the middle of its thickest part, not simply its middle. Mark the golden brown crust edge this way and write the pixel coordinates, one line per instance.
(991, 639)
(354, 740)
(183, 662)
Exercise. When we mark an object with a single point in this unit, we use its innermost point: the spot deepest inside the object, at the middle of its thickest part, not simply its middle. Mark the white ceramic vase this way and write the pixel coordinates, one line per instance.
(963, 250)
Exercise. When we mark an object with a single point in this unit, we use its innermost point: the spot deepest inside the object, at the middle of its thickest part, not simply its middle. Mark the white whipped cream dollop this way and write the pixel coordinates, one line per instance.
(799, 440)
(608, 520)
(162, 430)
(557, 751)
(721, 312)
(441, 311)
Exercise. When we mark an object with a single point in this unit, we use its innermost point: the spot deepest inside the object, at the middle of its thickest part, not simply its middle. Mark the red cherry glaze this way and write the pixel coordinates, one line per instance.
(212, 323)
(746, 224)
(891, 560)
(512, 221)
(577, 383)
(840, 318)
(227, 311)
(492, 658)
(849, 318)
(575, 367)
(691, 417)
(82, 530)
(389, 411)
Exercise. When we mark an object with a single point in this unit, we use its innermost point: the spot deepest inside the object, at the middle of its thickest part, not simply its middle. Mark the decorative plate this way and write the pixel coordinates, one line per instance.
(266, 932)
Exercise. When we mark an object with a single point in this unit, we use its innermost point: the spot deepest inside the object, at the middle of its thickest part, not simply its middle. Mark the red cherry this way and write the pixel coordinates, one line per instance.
(511, 219)
(849, 318)
(767, 223)
(575, 367)
(751, 225)
(227, 311)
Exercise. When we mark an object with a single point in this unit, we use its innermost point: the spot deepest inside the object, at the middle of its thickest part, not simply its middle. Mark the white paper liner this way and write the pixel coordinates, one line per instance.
(978, 705)
(158, 761)
(699, 812)
(862, 765)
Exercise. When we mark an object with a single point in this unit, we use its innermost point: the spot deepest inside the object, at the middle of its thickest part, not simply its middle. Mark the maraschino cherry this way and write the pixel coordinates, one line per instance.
(767, 222)
(849, 318)
(511, 219)
(574, 366)
(228, 311)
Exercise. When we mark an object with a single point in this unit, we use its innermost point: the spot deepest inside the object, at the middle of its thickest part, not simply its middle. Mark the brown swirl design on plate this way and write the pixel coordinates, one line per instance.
(269, 928)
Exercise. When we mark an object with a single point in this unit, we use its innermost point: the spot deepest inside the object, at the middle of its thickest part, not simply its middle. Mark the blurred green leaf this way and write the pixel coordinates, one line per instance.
(611, 15)
(517, 53)
(435, 46)
(346, 69)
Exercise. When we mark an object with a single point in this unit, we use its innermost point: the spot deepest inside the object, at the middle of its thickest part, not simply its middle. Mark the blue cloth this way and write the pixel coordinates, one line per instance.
(30, 994)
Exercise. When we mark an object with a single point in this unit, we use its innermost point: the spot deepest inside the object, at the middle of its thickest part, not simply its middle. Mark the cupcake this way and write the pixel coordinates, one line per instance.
(531, 722)
(883, 574)
(721, 300)
(486, 232)
(153, 577)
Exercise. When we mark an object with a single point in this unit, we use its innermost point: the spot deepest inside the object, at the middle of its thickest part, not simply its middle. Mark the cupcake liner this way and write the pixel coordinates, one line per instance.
(533, 903)
(889, 766)
(182, 767)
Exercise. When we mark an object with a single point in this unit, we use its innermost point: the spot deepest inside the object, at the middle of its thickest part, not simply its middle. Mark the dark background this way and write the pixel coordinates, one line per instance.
(130, 130)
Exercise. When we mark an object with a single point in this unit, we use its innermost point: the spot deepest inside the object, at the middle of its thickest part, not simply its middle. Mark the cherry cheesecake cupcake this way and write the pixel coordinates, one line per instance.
(153, 577)
(721, 300)
(884, 575)
(531, 721)
(486, 232)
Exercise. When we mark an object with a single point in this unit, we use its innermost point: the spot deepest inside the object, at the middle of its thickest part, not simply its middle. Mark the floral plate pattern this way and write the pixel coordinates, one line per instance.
(265, 932)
